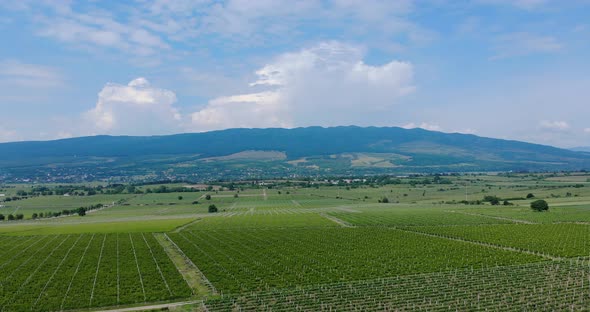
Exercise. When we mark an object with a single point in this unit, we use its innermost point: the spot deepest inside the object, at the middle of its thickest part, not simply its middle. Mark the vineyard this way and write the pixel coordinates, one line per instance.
(57, 272)
(263, 259)
(317, 248)
(562, 239)
(532, 287)
(413, 216)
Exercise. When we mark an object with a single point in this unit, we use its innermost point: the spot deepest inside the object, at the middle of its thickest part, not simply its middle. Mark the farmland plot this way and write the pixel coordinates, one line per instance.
(58, 272)
(547, 286)
(412, 216)
(561, 240)
(263, 259)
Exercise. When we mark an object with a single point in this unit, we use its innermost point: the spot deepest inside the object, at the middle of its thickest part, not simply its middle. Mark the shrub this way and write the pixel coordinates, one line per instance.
(539, 205)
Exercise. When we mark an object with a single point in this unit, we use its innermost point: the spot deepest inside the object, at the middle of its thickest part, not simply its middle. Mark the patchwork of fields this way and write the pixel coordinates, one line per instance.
(308, 249)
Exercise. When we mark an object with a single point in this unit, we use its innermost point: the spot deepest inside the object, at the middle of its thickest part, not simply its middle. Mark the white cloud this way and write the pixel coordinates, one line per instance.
(423, 125)
(151, 27)
(523, 43)
(257, 110)
(587, 130)
(14, 73)
(328, 84)
(554, 125)
(135, 108)
(102, 31)
(466, 131)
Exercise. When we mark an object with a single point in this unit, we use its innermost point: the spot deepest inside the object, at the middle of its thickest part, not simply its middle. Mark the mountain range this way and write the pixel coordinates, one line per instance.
(275, 152)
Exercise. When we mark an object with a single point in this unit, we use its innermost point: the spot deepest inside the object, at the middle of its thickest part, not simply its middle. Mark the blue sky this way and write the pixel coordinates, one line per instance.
(509, 69)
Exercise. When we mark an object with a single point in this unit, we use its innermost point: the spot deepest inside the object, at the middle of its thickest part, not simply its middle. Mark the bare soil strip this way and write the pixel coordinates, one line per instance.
(195, 279)
(336, 220)
(492, 217)
(155, 307)
(180, 228)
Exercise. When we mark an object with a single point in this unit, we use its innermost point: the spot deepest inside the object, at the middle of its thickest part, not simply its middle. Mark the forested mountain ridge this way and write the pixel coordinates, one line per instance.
(247, 153)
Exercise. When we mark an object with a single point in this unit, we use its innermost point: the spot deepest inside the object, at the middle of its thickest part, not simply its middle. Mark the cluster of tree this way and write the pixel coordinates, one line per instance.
(12, 217)
(111, 189)
(465, 202)
(13, 198)
(170, 189)
(81, 211)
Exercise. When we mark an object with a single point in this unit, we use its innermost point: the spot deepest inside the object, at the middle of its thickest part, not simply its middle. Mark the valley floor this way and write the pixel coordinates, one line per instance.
(325, 248)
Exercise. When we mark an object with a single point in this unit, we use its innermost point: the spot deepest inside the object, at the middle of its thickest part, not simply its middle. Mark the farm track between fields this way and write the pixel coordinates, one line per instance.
(337, 221)
(196, 280)
(181, 228)
(493, 217)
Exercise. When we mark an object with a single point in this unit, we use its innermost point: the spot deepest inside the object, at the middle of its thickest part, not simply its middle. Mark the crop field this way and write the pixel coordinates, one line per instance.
(562, 240)
(416, 243)
(250, 260)
(261, 221)
(530, 287)
(412, 215)
(56, 272)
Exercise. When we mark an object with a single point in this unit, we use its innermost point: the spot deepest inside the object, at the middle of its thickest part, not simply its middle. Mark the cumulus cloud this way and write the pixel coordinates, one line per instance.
(423, 125)
(554, 125)
(328, 84)
(135, 108)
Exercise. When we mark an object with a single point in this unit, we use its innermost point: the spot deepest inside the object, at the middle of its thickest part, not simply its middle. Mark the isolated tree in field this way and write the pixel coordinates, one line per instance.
(212, 208)
(180, 197)
(540, 205)
(20, 216)
(34, 216)
(10, 217)
(530, 195)
(384, 200)
(2, 217)
(208, 197)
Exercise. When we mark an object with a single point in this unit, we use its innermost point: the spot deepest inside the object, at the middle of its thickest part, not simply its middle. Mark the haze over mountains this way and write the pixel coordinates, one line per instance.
(268, 153)
(581, 149)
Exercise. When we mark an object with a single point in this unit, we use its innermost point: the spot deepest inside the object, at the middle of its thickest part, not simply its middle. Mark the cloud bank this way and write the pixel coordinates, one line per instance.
(327, 84)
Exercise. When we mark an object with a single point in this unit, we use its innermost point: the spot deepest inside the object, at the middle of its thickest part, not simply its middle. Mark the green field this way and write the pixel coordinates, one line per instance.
(320, 247)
